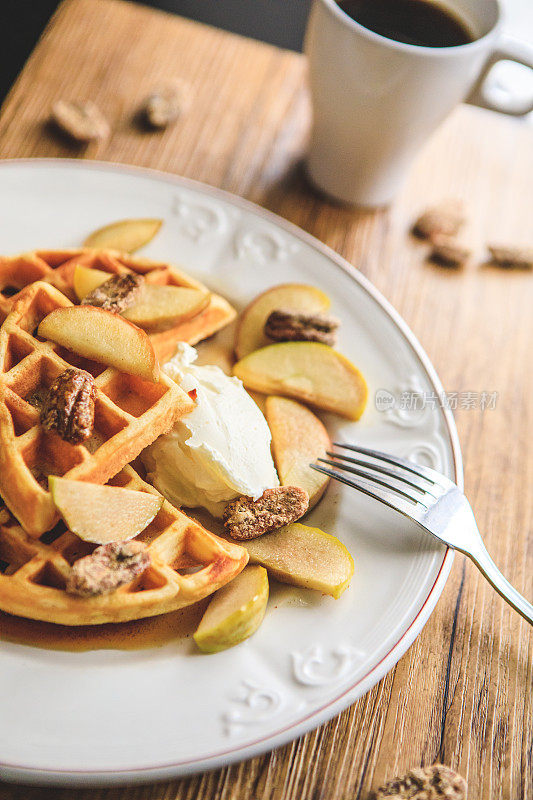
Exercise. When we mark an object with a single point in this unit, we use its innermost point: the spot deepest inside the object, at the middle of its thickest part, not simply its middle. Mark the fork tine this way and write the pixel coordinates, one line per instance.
(375, 479)
(417, 469)
(405, 507)
(422, 484)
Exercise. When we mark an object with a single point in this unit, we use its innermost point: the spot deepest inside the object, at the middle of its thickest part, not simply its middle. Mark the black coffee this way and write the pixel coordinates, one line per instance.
(420, 22)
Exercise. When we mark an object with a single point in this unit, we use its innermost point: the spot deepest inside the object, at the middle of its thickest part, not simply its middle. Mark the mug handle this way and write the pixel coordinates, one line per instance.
(507, 49)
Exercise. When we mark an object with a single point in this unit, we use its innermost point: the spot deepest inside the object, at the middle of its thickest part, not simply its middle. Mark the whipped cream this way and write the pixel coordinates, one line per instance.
(219, 451)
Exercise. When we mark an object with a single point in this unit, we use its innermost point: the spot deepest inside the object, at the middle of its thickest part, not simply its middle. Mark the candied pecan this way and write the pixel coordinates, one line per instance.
(69, 406)
(424, 783)
(448, 252)
(245, 518)
(445, 219)
(116, 294)
(511, 257)
(83, 122)
(108, 567)
(284, 325)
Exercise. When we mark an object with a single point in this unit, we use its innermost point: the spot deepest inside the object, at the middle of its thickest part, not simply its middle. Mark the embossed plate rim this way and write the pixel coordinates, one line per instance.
(72, 777)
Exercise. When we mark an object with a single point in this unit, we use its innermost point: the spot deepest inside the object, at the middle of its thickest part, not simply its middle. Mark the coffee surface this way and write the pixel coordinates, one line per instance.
(418, 22)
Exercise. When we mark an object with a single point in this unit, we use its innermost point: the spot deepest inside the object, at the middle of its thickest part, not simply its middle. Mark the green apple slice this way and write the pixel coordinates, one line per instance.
(103, 514)
(160, 307)
(304, 556)
(311, 372)
(250, 334)
(127, 235)
(87, 279)
(235, 612)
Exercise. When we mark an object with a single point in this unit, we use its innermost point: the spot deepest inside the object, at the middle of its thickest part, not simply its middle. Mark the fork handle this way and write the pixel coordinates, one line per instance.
(482, 559)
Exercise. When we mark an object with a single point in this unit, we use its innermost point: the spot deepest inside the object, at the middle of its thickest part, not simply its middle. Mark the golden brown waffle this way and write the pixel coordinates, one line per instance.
(130, 413)
(188, 564)
(57, 267)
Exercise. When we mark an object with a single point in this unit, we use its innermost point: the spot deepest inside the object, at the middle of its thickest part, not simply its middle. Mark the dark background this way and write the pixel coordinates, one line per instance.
(281, 22)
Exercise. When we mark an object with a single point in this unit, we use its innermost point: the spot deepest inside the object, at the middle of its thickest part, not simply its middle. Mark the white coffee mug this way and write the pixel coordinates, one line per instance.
(375, 101)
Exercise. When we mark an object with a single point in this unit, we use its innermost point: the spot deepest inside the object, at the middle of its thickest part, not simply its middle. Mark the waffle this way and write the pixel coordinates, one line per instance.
(130, 413)
(188, 564)
(57, 267)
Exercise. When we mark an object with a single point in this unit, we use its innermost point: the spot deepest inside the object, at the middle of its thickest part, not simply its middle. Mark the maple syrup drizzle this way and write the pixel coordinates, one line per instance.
(136, 635)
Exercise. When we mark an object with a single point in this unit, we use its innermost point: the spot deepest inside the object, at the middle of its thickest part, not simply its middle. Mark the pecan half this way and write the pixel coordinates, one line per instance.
(444, 219)
(245, 518)
(511, 257)
(116, 294)
(425, 783)
(83, 122)
(68, 408)
(108, 567)
(284, 325)
(449, 252)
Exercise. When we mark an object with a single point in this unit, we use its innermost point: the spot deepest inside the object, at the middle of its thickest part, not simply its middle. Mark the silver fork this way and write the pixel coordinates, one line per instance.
(428, 498)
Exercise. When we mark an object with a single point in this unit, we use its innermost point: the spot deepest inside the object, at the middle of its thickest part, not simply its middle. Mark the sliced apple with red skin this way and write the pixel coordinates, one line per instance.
(103, 337)
(86, 280)
(298, 439)
(311, 372)
(250, 335)
(103, 514)
(157, 308)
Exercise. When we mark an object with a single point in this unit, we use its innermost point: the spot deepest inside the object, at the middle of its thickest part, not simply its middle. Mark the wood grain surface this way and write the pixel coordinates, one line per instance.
(462, 693)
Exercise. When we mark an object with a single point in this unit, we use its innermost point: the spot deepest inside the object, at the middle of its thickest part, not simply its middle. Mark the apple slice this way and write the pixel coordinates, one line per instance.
(250, 335)
(103, 337)
(308, 371)
(103, 514)
(87, 279)
(160, 307)
(235, 612)
(127, 235)
(298, 439)
(304, 556)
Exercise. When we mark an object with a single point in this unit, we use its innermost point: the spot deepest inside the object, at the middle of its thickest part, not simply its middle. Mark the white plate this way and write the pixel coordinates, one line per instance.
(114, 716)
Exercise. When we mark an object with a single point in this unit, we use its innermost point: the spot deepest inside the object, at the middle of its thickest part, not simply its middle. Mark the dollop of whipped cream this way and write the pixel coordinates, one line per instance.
(219, 451)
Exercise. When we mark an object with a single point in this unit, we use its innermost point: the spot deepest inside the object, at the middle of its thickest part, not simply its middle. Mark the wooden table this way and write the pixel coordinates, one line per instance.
(462, 694)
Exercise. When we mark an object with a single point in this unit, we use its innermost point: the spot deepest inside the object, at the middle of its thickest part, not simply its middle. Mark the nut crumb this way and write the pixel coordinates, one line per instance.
(68, 407)
(245, 518)
(107, 568)
(445, 219)
(37, 398)
(448, 252)
(116, 294)
(163, 107)
(4, 516)
(424, 783)
(83, 122)
(511, 257)
(284, 325)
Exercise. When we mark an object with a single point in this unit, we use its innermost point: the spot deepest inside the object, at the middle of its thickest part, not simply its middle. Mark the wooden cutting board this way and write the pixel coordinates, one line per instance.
(462, 694)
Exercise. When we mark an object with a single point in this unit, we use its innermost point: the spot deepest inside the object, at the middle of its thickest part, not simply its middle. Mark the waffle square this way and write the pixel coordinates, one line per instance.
(188, 563)
(57, 267)
(130, 413)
